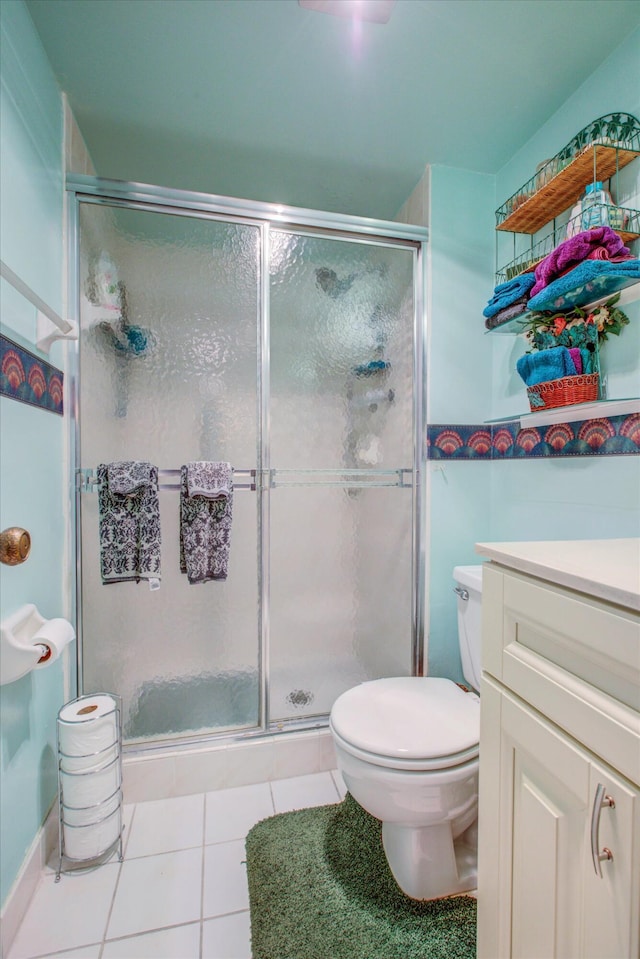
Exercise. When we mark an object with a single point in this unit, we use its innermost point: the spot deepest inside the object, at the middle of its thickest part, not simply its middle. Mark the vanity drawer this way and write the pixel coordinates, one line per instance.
(593, 640)
(573, 658)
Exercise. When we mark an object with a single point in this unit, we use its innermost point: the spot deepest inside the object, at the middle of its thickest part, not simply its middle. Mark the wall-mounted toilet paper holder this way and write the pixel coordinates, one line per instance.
(29, 641)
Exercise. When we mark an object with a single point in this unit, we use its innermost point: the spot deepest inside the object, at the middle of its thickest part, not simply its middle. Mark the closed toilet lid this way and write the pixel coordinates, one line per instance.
(409, 718)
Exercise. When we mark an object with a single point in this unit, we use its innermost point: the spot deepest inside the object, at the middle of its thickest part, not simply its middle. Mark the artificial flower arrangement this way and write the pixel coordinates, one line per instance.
(576, 327)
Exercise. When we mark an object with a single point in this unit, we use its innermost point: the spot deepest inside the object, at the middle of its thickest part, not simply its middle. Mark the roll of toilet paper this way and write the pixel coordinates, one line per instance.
(93, 815)
(88, 736)
(89, 841)
(81, 790)
(54, 635)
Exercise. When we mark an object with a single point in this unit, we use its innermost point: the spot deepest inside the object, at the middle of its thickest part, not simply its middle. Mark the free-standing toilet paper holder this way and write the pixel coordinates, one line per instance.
(94, 774)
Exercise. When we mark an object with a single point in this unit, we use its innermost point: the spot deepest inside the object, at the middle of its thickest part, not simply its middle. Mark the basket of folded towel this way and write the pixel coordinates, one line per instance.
(563, 392)
(563, 365)
(560, 376)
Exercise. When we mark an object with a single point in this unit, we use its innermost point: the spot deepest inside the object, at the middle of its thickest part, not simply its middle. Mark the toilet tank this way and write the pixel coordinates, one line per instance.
(469, 590)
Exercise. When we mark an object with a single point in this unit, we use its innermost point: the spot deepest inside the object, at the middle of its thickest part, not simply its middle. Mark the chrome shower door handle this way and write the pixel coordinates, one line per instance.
(462, 593)
(599, 802)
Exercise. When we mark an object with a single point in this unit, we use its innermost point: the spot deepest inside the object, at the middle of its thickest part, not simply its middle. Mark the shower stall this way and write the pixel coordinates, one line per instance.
(290, 344)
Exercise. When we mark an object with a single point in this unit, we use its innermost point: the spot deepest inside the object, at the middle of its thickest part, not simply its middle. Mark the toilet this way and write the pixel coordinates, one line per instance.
(407, 748)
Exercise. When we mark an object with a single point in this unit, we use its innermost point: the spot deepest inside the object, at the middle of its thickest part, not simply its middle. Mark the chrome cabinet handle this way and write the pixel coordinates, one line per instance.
(600, 800)
(462, 593)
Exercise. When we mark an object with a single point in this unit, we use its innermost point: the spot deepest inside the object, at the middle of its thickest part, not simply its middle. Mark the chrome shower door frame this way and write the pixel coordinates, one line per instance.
(266, 217)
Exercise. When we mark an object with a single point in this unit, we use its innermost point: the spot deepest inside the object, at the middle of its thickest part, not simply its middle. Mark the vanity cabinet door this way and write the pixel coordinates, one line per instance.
(546, 787)
(612, 899)
(539, 896)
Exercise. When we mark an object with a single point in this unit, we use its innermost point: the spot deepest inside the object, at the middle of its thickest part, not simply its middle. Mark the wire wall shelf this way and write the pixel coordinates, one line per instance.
(597, 152)
(624, 220)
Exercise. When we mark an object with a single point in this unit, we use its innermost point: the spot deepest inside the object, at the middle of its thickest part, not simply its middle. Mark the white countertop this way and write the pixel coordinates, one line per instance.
(608, 569)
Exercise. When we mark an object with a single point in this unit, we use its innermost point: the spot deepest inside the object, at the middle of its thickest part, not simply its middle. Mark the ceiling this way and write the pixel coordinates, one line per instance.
(265, 100)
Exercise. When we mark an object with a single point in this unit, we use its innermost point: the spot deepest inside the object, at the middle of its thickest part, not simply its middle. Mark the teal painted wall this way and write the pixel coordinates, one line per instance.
(585, 497)
(610, 89)
(472, 376)
(461, 250)
(32, 440)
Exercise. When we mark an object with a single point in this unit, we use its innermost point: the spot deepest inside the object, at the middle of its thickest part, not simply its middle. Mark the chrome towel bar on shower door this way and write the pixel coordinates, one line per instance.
(88, 482)
(87, 479)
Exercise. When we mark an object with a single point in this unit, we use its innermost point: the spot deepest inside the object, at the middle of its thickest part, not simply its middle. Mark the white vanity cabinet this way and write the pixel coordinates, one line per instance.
(559, 764)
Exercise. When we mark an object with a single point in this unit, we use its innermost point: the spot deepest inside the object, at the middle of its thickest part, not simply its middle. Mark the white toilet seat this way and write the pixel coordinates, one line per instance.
(454, 763)
(409, 723)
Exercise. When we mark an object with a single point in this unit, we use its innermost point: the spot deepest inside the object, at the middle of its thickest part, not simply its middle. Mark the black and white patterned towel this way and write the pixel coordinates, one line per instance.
(206, 506)
(129, 512)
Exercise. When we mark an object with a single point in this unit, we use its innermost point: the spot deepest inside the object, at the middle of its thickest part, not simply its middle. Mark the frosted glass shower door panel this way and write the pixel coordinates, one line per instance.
(184, 658)
(342, 424)
(169, 337)
(341, 588)
(168, 373)
(342, 331)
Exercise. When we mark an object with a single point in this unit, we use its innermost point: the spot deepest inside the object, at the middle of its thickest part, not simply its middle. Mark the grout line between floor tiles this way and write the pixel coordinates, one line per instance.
(128, 828)
(62, 953)
(147, 932)
(204, 847)
(221, 842)
(333, 783)
(163, 852)
(225, 915)
(115, 888)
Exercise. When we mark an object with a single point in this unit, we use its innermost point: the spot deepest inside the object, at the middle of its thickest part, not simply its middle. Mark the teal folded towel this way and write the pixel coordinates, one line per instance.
(546, 365)
(592, 274)
(588, 360)
(507, 293)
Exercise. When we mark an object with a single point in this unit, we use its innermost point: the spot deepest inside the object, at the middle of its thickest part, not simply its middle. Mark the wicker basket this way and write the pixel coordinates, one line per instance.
(563, 392)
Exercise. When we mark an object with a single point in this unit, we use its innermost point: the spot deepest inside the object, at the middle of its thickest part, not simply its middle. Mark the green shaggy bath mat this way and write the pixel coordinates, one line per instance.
(320, 888)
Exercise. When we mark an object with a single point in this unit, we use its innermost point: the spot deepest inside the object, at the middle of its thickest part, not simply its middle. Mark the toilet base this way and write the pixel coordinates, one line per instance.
(427, 863)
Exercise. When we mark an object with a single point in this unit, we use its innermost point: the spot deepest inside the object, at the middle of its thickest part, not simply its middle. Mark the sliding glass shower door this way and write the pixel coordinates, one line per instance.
(341, 452)
(169, 312)
(293, 354)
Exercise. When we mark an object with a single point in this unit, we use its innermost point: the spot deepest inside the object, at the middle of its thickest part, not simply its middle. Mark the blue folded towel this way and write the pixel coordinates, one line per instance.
(546, 365)
(587, 272)
(507, 293)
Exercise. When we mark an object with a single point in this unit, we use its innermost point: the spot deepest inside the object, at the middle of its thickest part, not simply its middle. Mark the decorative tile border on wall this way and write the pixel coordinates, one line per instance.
(29, 379)
(607, 436)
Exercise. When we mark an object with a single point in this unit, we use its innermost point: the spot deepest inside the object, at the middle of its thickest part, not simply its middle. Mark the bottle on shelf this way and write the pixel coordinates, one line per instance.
(595, 205)
(574, 224)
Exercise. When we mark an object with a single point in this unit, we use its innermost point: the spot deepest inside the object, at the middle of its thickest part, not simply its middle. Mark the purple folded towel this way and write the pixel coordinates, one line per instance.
(576, 356)
(573, 251)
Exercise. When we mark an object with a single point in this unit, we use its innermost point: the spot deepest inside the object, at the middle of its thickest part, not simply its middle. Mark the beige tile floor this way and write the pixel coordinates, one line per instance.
(181, 892)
